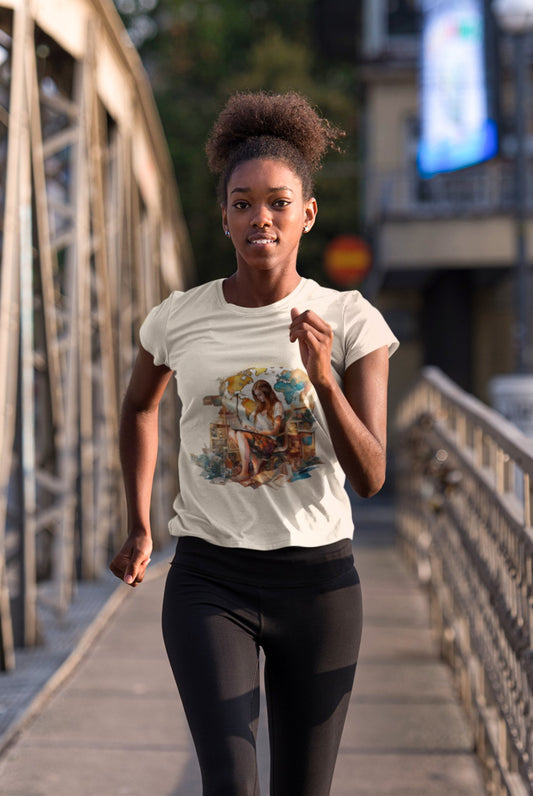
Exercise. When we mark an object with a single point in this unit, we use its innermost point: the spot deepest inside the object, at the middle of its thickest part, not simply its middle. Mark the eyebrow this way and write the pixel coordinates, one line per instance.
(270, 190)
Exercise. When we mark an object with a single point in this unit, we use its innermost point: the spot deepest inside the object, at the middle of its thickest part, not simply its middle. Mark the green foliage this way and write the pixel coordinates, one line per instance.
(206, 50)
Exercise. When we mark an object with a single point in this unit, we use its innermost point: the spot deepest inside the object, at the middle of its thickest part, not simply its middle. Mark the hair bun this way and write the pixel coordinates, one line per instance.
(289, 117)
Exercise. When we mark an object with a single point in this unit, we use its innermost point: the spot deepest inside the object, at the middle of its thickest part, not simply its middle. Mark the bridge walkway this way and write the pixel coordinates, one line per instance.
(114, 727)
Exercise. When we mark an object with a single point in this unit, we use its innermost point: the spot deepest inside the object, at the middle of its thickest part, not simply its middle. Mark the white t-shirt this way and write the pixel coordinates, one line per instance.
(239, 488)
(265, 421)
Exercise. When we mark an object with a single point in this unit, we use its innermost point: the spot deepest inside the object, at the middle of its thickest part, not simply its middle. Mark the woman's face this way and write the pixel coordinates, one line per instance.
(260, 394)
(265, 214)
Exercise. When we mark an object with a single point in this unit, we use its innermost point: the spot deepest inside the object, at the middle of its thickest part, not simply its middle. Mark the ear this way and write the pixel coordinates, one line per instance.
(224, 217)
(311, 210)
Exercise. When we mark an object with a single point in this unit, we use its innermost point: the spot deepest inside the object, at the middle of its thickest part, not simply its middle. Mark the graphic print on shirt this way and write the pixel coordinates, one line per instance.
(264, 431)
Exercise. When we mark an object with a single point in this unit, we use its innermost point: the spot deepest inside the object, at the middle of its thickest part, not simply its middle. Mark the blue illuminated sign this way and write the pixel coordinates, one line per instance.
(456, 126)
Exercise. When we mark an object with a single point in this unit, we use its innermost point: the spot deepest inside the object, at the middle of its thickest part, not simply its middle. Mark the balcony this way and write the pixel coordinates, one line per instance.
(478, 191)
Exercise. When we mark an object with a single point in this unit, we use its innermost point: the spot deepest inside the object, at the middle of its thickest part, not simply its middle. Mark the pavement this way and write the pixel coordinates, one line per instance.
(110, 722)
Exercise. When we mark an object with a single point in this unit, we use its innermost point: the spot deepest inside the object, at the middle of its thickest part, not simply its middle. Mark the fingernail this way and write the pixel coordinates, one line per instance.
(128, 579)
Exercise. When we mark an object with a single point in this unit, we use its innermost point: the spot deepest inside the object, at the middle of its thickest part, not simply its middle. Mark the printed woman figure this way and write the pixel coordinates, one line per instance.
(258, 442)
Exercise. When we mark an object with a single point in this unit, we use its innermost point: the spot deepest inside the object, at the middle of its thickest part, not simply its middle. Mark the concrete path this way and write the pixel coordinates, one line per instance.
(115, 726)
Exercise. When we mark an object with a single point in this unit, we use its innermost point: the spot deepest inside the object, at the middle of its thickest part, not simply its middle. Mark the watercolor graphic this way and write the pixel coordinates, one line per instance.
(264, 431)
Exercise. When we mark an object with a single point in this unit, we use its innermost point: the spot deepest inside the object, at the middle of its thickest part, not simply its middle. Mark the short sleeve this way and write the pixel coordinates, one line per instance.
(153, 332)
(278, 409)
(365, 329)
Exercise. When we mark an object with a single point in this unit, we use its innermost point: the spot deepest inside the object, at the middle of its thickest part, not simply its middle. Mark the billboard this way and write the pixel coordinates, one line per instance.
(457, 124)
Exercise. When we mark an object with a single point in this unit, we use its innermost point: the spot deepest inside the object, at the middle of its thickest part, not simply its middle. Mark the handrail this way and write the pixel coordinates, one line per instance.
(501, 430)
(483, 190)
(464, 478)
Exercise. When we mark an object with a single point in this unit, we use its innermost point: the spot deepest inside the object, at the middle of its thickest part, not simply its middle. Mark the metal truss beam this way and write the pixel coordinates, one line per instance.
(92, 236)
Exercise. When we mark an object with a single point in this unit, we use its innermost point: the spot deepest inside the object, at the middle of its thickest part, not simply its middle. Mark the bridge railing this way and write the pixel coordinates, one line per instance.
(91, 237)
(465, 516)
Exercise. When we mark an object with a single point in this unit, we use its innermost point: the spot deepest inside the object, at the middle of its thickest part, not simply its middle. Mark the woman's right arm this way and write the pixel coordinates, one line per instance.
(138, 440)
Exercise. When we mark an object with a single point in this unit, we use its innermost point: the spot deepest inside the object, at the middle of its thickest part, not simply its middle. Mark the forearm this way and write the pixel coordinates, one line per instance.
(361, 455)
(138, 454)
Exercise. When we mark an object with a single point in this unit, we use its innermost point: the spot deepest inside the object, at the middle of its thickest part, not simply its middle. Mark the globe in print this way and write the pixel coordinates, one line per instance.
(262, 429)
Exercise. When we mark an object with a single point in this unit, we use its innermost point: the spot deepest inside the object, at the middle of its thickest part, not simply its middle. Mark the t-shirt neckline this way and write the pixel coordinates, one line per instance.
(276, 305)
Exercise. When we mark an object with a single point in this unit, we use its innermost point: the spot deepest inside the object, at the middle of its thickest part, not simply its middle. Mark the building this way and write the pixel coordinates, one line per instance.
(445, 247)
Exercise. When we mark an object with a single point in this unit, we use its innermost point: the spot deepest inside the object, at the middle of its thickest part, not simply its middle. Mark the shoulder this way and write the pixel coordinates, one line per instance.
(338, 307)
(313, 291)
(359, 326)
(200, 293)
(180, 300)
(174, 310)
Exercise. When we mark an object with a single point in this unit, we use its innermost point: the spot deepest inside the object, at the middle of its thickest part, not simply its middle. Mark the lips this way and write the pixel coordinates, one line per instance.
(262, 240)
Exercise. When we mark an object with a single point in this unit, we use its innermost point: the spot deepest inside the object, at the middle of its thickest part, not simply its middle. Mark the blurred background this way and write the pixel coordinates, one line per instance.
(440, 236)
(197, 53)
(107, 205)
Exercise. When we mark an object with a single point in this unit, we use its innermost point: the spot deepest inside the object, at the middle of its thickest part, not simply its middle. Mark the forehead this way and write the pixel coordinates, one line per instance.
(264, 173)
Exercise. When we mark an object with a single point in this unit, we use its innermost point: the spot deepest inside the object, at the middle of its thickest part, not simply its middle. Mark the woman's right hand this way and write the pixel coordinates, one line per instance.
(138, 453)
(131, 561)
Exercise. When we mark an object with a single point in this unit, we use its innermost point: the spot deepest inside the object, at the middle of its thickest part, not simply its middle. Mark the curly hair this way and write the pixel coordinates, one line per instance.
(282, 127)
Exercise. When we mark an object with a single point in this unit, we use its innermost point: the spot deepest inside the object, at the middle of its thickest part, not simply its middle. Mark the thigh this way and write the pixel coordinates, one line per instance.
(310, 659)
(210, 641)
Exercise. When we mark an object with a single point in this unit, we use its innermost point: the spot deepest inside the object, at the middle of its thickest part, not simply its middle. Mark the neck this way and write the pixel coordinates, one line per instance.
(258, 289)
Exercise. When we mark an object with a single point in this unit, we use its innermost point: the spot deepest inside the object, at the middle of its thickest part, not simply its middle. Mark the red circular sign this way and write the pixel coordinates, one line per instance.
(347, 260)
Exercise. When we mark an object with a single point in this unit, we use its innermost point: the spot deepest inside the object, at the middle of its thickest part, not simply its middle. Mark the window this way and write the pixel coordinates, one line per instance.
(403, 18)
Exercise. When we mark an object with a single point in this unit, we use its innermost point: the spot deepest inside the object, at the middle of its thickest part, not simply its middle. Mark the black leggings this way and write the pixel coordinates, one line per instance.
(303, 607)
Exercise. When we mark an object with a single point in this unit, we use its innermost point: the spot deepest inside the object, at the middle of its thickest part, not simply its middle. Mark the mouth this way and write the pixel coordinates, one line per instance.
(262, 240)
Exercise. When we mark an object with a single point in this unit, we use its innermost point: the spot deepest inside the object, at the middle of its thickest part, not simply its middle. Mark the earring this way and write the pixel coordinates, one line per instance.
(227, 233)
(306, 228)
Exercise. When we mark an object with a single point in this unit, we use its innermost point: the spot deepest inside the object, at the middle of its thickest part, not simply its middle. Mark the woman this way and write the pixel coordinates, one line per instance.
(257, 442)
(258, 567)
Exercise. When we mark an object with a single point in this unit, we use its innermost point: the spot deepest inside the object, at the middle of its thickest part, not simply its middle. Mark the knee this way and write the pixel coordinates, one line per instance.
(229, 769)
(229, 781)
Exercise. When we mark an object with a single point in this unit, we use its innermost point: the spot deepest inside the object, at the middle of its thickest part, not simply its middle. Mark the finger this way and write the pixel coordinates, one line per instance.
(310, 336)
(135, 570)
(298, 322)
(118, 565)
(295, 313)
(312, 319)
(308, 320)
(141, 572)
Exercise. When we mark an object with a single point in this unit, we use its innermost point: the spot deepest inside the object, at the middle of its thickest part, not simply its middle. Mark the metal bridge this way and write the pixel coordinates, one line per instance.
(465, 520)
(91, 236)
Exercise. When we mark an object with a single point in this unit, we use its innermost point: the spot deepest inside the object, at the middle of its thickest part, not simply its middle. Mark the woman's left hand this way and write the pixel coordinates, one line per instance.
(315, 338)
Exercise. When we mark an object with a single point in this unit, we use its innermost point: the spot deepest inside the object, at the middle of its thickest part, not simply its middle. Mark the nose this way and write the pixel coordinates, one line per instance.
(262, 217)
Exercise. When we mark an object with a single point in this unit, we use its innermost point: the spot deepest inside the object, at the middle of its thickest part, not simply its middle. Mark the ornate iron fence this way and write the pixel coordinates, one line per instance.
(487, 189)
(91, 236)
(465, 516)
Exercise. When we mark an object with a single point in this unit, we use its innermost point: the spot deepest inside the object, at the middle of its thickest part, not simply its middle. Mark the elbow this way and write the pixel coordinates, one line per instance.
(133, 407)
(369, 484)
(370, 490)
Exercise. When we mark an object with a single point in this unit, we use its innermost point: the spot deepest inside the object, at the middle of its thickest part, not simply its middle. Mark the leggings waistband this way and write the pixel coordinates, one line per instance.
(286, 566)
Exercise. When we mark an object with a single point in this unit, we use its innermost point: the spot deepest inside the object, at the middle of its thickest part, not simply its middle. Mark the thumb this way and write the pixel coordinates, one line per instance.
(294, 313)
(132, 570)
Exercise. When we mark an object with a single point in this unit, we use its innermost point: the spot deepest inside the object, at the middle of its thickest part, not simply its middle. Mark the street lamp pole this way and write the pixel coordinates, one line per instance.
(516, 17)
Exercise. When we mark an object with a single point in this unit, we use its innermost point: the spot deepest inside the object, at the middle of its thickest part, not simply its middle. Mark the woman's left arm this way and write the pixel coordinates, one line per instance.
(357, 414)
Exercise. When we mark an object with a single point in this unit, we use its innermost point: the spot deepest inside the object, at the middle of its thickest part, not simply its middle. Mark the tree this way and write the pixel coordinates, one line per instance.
(206, 50)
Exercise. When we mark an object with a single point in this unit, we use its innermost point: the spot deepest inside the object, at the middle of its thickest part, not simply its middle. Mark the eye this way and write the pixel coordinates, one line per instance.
(241, 204)
(281, 203)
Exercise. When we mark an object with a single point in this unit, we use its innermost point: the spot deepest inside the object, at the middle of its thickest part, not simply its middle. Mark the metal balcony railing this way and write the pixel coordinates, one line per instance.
(465, 516)
(488, 189)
